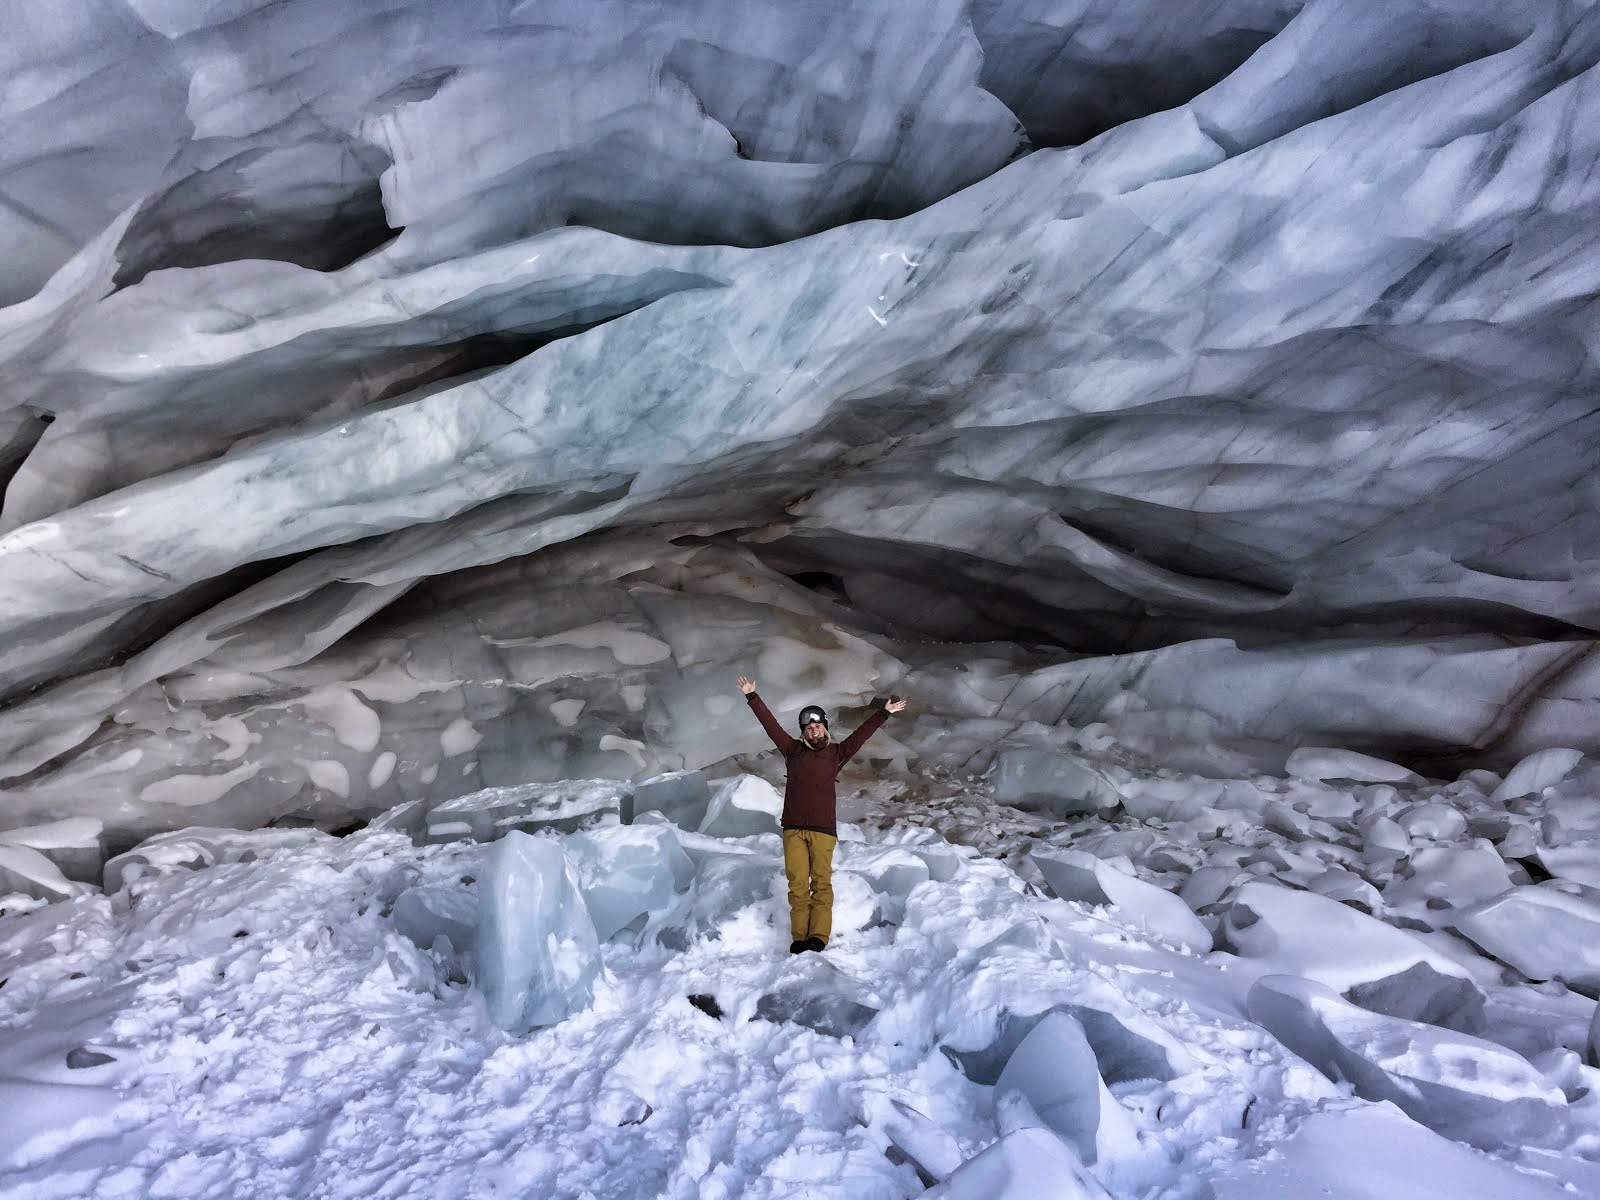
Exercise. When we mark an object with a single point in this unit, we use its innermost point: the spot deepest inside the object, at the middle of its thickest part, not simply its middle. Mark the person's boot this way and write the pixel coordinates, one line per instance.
(796, 947)
(814, 943)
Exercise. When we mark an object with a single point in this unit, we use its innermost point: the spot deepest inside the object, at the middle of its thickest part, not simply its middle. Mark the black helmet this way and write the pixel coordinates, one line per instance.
(812, 713)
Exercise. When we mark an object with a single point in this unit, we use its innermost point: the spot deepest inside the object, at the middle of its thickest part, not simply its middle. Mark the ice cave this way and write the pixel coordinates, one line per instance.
(416, 415)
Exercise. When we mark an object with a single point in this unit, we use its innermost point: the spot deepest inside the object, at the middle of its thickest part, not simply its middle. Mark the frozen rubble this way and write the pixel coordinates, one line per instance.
(961, 1032)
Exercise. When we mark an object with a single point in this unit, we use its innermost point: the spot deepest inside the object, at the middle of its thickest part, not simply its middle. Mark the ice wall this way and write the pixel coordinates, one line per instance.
(412, 398)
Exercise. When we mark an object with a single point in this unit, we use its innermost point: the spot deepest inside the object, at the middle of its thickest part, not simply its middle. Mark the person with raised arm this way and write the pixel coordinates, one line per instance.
(810, 810)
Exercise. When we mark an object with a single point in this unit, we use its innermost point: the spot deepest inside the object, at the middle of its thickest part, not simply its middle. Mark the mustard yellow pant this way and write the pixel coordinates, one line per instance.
(808, 862)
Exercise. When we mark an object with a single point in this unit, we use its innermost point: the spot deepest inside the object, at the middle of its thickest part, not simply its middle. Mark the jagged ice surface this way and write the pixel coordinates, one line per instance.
(1295, 354)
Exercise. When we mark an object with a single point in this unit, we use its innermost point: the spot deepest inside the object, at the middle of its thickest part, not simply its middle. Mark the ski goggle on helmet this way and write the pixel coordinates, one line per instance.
(812, 713)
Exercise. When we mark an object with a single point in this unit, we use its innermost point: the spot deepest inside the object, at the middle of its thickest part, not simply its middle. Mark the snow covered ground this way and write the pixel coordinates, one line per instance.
(253, 1014)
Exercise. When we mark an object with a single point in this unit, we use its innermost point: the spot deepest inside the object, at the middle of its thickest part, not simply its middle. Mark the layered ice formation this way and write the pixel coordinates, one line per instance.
(366, 439)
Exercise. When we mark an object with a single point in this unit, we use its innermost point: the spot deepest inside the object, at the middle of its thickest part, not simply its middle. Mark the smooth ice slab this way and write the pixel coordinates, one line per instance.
(1302, 933)
(1543, 931)
(1461, 1086)
(625, 871)
(1075, 875)
(535, 951)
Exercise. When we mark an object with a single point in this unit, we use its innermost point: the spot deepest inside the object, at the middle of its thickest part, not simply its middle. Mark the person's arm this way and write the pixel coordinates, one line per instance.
(776, 732)
(853, 743)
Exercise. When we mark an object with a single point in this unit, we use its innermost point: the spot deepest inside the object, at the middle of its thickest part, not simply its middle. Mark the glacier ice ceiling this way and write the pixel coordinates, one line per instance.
(402, 398)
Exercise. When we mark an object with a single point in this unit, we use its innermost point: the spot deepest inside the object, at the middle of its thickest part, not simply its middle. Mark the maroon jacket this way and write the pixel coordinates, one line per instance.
(809, 801)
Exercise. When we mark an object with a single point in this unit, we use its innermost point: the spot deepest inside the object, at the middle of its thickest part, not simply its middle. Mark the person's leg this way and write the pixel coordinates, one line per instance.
(797, 866)
(821, 924)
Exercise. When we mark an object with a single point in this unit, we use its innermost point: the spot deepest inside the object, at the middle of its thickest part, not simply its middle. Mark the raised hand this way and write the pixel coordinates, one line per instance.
(746, 686)
(894, 706)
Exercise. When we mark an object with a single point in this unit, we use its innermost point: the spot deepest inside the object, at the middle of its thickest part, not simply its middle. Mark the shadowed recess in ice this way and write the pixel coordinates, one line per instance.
(411, 400)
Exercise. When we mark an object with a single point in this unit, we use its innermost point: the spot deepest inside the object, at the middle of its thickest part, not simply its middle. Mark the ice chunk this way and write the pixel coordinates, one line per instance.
(1519, 842)
(1346, 887)
(1382, 838)
(942, 860)
(1571, 818)
(742, 807)
(893, 870)
(425, 914)
(535, 948)
(1434, 820)
(1374, 1153)
(1580, 863)
(1441, 879)
(1594, 1038)
(1541, 769)
(1306, 934)
(1208, 885)
(1543, 931)
(75, 845)
(1053, 1079)
(1318, 763)
(1419, 993)
(627, 870)
(1461, 1086)
(680, 796)
(410, 819)
(25, 871)
(563, 807)
(1035, 779)
(1075, 875)
(1030, 1164)
(1171, 799)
